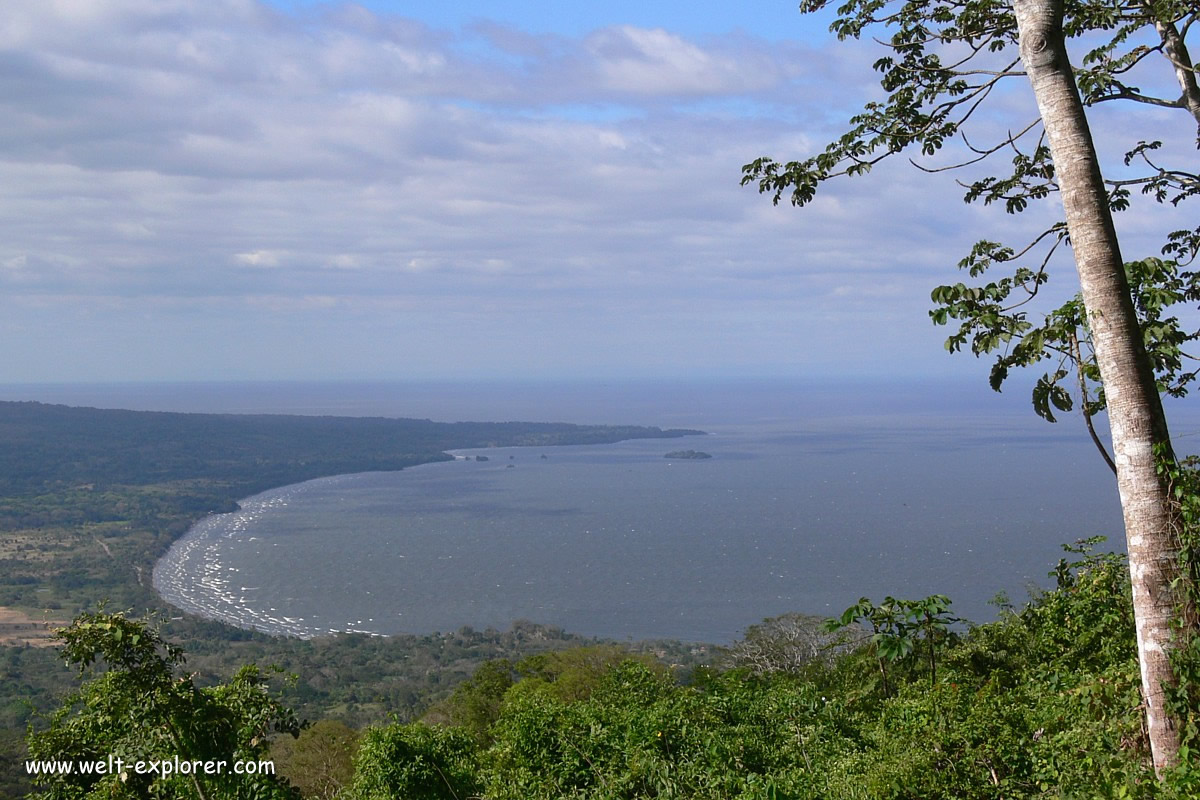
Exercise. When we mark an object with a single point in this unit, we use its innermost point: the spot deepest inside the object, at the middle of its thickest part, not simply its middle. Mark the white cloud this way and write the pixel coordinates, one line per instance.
(259, 258)
(654, 62)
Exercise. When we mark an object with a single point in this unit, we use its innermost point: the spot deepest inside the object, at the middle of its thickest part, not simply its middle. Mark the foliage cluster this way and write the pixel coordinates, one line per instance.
(1044, 702)
(351, 679)
(320, 760)
(137, 708)
(1184, 697)
(361, 680)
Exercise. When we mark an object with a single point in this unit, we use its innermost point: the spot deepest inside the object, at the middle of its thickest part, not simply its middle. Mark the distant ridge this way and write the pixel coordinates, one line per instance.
(44, 447)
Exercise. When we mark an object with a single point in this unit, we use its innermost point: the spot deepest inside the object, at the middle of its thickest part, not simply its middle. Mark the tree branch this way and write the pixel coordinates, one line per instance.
(1083, 404)
(983, 154)
(1129, 94)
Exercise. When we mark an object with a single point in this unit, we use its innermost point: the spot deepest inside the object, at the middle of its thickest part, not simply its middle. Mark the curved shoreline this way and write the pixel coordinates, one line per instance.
(194, 574)
(183, 591)
(214, 593)
(191, 576)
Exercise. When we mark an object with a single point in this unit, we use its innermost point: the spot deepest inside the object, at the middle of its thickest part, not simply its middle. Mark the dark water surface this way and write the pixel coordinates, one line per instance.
(797, 511)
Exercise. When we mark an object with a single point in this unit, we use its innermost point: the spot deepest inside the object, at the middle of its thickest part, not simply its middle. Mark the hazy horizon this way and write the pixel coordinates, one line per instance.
(594, 400)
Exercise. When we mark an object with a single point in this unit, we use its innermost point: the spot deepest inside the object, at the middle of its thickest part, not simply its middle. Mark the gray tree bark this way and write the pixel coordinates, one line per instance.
(1176, 51)
(1134, 408)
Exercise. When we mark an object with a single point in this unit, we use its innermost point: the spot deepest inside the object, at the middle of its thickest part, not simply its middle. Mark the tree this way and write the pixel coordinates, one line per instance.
(415, 762)
(896, 627)
(156, 733)
(573, 674)
(476, 703)
(946, 58)
(320, 761)
(788, 643)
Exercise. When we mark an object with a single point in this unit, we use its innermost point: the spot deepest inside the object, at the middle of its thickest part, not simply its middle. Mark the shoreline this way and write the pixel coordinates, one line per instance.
(197, 535)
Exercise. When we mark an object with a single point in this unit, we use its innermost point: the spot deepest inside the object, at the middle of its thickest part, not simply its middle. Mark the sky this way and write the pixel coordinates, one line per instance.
(239, 190)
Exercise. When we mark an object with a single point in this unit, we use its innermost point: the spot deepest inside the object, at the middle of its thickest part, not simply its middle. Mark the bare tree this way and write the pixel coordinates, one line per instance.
(791, 642)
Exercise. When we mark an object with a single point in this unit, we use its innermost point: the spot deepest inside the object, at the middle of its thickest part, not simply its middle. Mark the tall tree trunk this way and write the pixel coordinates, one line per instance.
(1134, 408)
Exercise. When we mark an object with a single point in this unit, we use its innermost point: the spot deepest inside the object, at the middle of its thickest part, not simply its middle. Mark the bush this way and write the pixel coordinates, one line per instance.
(414, 762)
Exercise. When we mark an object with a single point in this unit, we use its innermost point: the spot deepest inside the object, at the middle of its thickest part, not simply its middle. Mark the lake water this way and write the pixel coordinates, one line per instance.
(814, 497)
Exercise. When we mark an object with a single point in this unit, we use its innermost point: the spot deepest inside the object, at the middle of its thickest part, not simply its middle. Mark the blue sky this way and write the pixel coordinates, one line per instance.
(232, 190)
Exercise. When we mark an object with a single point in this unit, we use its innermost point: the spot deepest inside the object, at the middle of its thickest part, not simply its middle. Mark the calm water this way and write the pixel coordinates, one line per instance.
(796, 511)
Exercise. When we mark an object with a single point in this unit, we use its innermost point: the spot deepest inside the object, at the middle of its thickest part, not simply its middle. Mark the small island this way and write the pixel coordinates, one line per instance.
(689, 454)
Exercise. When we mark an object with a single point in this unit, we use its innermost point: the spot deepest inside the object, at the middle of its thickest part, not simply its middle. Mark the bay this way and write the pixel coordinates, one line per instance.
(810, 501)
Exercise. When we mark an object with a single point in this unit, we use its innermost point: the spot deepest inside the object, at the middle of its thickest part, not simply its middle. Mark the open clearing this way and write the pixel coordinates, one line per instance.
(19, 628)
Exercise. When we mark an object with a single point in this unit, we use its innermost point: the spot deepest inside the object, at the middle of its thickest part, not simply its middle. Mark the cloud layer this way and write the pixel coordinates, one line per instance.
(223, 190)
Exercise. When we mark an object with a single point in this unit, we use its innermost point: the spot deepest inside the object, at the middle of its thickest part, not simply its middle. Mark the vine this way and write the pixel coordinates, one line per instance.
(1183, 477)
